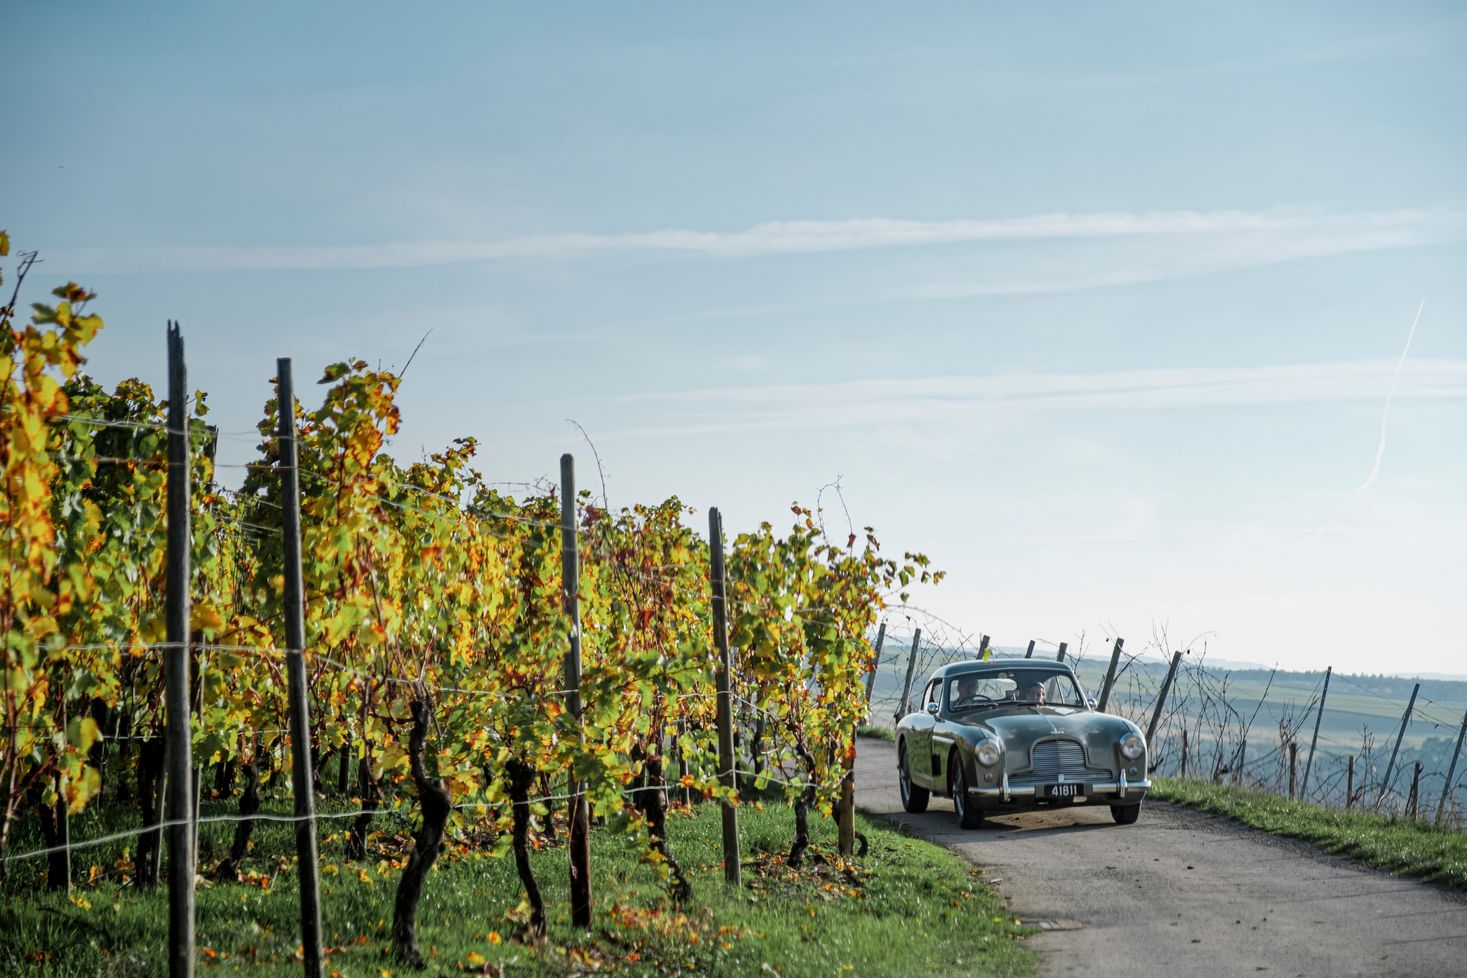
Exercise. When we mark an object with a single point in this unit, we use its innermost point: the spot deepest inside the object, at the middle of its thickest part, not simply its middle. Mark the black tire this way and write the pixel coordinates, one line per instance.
(914, 798)
(970, 816)
(1125, 814)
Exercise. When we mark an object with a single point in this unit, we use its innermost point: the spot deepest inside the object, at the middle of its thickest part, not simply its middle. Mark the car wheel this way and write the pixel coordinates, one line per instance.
(914, 798)
(970, 816)
(1125, 814)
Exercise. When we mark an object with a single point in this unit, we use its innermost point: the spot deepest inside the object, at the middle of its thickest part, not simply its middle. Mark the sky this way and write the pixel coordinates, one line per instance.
(1102, 306)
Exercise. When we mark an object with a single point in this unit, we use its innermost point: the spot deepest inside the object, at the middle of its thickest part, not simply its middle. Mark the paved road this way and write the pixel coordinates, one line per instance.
(1183, 893)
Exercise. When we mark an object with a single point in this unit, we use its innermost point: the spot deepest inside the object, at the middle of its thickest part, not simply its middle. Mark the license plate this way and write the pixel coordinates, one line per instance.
(1067, 790)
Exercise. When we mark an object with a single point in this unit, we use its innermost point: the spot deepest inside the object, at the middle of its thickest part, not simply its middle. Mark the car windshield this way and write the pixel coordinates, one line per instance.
(977, 691)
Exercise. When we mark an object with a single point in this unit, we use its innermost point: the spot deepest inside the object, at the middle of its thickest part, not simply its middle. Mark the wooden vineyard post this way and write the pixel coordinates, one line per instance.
(1110, 675)
(1161, 699)
(727, 776)
(1293, 765)
(1350, 782)
(1441, 806)
(983, 653)
(1314, 740)
(1029, 654)
(1064, 646)
(1415, 790)
(911, 668)
(579, 842)
(846, 815)
(179, 809)
(875, 664)
(1184, 753)
(302, 786)
(1385, 785)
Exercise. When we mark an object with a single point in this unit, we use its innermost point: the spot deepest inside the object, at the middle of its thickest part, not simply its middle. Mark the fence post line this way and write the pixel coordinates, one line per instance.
(1385, 784)
(1451, 771)
(1161, 699)
(732, 870)
(579, 835)
(1110, 674)
(875, 664)
(1030, 653)
(1309, 764)
(180, 809)
(302, 785)
(1062, 649)
(911, 668)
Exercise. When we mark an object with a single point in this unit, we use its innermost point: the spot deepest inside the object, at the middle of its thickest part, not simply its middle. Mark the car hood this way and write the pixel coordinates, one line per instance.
(1019, 729)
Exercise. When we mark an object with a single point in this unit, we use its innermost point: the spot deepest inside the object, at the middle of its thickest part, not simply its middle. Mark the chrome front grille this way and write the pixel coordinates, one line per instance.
(1052, 758)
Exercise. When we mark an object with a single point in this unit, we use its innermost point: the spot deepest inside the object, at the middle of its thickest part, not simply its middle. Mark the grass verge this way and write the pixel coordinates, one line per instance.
(909, 909)
(879, 733)
(1401, 845)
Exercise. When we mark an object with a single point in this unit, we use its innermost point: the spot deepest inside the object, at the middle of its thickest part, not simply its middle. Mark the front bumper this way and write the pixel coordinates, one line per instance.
(1124, 790)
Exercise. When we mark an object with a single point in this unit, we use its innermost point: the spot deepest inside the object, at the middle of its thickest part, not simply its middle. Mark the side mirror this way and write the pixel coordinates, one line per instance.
(932, 709)
(1090, 701)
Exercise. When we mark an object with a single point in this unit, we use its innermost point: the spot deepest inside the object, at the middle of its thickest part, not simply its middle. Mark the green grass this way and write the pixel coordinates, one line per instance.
(880, 733)
(908, 908)
(1401, 845)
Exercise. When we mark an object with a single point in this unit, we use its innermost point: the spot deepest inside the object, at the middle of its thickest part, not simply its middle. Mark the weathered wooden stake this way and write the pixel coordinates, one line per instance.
(1385, 785)
(902, 704)
(1110, 675)
(1293, 765)
(1184, 752)
(180, 809)
(1415, 790)
(875, 664)
(579, 842)
(983, 653)
(1161, 699)
(1441, 806)
(302, 777)
(1349, 782)
(1314, 740)
(1063, 647)
(727, 776)
(1030, 653)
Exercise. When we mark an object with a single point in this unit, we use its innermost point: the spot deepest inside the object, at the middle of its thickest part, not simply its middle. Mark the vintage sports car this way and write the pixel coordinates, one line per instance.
(1017, 735)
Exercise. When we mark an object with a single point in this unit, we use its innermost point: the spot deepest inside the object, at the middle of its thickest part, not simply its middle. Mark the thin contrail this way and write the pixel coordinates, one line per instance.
(1386, 416)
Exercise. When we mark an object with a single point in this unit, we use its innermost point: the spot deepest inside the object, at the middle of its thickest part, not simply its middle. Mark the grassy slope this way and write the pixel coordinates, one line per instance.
(911, 909)
(1400, 845)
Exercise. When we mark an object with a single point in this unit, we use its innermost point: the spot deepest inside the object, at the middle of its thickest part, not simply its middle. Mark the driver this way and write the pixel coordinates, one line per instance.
(1034, 692)
(966, 693)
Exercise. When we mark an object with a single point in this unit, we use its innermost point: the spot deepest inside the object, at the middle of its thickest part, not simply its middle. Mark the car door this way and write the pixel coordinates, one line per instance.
(919, 746)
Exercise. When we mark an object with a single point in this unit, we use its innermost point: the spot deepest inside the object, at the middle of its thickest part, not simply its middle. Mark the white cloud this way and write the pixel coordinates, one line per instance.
(908, 400)
(1392, 228)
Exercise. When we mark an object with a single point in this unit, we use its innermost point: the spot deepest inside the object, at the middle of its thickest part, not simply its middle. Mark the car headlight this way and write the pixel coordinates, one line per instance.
(1132, 746)
(988, 753)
